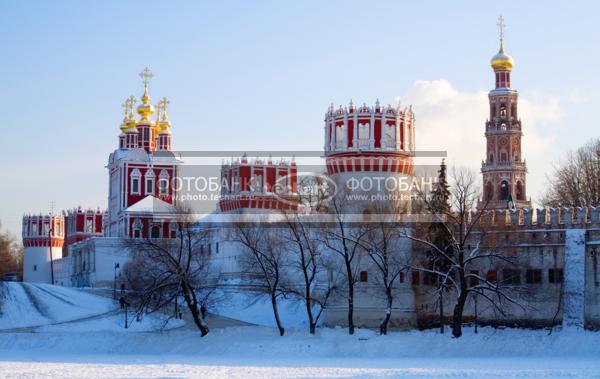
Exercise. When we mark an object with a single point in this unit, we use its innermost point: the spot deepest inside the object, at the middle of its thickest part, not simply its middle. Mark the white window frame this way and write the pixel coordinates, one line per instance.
(149, 177)
(137, 227)
(163, 178)
(135, 177)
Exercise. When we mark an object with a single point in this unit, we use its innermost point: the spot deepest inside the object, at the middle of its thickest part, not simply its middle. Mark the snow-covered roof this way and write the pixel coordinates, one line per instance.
(151, 204)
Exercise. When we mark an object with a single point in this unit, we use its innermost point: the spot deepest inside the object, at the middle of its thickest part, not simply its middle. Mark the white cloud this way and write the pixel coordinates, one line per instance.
(454, 121)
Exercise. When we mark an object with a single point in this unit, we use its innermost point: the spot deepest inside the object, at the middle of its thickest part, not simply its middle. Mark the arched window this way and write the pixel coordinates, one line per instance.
(163, 183)
(149, 177)
(502, 110)
(173, 228)
(503, 156)
(491, 158)
(135, 182)
(339, 136)
(155, 231)
(137, 228)
(520, 192)
(504, 190)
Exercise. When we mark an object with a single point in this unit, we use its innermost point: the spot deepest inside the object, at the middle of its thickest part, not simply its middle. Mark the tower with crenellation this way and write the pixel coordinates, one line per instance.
(369, 154)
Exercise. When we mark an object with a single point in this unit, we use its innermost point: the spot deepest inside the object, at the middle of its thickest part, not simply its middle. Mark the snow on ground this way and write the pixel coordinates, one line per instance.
(256, 308)
(116, 323)
(31, 304)
(258, 352)
(99, 347)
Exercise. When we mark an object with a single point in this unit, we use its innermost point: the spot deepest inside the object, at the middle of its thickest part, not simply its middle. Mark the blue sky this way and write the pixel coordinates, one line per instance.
(259, 75)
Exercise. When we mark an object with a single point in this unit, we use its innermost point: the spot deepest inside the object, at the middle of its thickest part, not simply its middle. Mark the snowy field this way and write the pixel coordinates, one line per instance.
(99, 347)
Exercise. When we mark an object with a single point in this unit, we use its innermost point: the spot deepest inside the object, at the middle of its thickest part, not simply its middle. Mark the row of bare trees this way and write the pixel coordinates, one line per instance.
(575, 181)
(317, 260)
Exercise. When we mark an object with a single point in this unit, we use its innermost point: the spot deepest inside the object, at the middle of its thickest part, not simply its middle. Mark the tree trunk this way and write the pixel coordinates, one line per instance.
(442, 310)
(350, 298)
(276, 313)
(457, 315)
(193, 307)
(383, 327)
(307, 297)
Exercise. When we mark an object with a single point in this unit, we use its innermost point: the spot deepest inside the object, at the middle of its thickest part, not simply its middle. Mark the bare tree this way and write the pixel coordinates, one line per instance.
(345, 239)
(382, 245)
(306, 255)
(263, 262)
(458, 259)
(164, 269)
(11, 254)
(575, 182)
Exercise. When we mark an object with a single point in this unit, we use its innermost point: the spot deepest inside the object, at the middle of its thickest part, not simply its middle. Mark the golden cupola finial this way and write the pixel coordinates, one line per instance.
(501, 61)
(129, 120)
(163, 124)
(123, 125)
(146, 109)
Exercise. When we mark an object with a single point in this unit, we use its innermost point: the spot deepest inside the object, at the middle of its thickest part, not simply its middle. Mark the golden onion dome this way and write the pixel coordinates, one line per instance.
(164, 126)
(123, 126)
(145, 110)
(502, 62)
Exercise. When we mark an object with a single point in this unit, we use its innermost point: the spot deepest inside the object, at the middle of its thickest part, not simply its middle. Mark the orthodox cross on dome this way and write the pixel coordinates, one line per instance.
(125, 106)
(146, 75)
(501, 26)
(162, 107)
(131, 100)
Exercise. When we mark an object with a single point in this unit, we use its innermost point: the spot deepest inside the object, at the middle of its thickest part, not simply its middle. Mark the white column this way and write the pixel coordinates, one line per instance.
(574, 279)
(372, 131)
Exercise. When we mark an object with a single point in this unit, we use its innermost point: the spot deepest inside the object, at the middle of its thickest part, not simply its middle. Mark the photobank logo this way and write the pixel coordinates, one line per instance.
(255, 185)
(313, 189)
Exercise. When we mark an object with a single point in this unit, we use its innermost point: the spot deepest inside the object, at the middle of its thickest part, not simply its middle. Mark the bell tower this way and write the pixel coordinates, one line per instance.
(503, 170)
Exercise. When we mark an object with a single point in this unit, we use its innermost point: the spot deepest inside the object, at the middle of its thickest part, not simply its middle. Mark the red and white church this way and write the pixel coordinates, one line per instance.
(84, 247)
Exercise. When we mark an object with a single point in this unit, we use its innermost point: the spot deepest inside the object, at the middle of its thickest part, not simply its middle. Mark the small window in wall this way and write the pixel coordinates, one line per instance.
(416, 278)
(492, 276)
(504, 190)
(34, 267)
(137, 228)
(217, 247)
(430, 279)
(135, 182)
(364, 276)
(89, 226)
(155, 231)
(533, 276)
(511, 276)
(401, 277)
(149, 186)
(555, 275)
(173, 227)
(163, 183)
